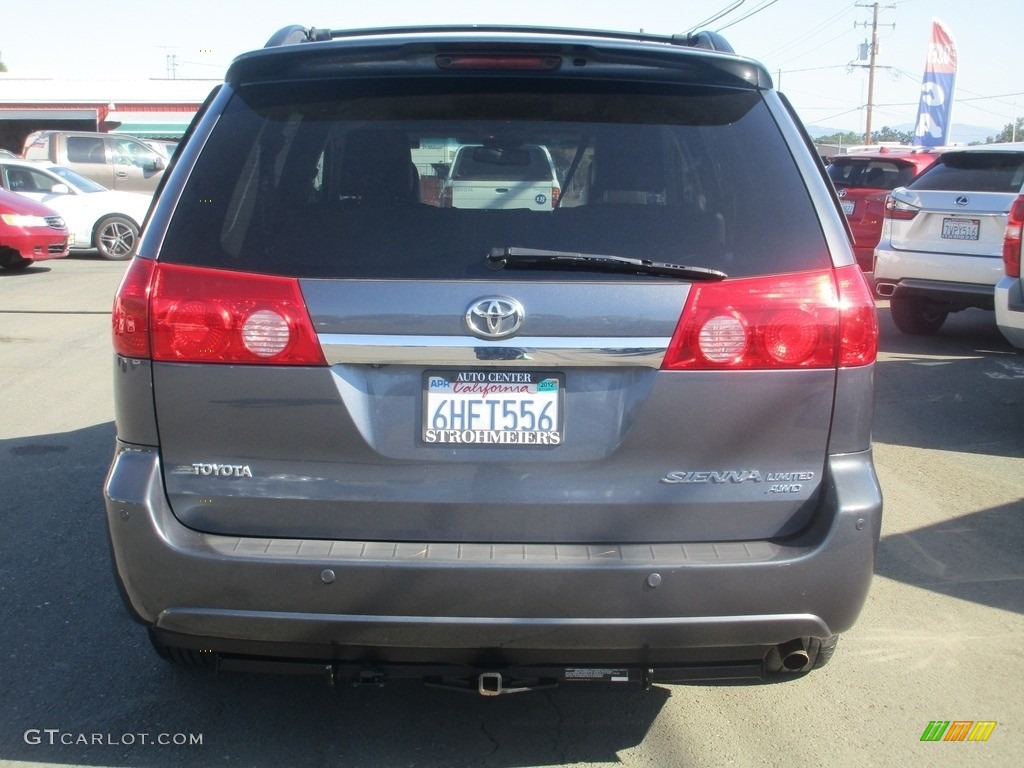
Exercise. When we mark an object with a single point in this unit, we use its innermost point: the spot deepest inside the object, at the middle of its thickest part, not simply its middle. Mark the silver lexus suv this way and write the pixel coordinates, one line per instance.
(621, 438)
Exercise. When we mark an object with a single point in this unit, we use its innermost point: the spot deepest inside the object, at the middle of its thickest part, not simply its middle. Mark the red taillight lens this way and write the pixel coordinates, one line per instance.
(213, 316)
(896, 209)
(858, 320)
(1012, 239)
(805, 320)
(556, 193)
(131, 310)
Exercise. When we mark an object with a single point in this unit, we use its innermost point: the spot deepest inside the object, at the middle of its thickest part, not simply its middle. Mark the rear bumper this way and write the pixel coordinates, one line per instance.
(955, 296)
(515, 604)
(1010, 310)
(956, 280)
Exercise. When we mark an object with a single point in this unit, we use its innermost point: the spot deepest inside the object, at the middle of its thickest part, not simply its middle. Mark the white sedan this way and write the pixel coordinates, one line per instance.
(97, 217)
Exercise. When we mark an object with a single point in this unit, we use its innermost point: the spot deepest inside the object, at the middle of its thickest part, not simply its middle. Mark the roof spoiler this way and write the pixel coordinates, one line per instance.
(708, 40)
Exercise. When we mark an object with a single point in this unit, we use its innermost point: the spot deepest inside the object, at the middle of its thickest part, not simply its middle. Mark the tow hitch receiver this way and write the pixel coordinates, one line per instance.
(492, 684)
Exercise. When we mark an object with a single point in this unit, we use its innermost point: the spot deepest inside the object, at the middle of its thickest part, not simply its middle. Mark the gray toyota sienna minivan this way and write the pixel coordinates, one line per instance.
(620, 438)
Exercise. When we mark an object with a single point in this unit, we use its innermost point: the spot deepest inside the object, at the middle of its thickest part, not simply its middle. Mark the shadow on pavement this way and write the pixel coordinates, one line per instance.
(959, 390)
(976, 557)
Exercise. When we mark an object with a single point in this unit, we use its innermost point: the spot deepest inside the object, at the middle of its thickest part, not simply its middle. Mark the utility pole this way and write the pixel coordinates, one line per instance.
(872, 53)
(871, 71)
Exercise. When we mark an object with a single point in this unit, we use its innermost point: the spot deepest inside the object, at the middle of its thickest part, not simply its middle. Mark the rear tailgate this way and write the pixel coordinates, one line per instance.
(535, 195)
(974, 226)
(377, 444)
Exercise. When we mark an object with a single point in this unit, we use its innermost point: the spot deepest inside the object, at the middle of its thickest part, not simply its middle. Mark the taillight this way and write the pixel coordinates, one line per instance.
(446, 197)
(858, 319)
(804, 320)
(897, 209)
(556, 193)
(1012, 238)
(131, 310)
(203, 315)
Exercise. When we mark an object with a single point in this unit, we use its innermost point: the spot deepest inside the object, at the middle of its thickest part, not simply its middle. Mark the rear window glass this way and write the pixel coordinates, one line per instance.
(480, 163)
(870, 174)
(346, 179)
(974, 172)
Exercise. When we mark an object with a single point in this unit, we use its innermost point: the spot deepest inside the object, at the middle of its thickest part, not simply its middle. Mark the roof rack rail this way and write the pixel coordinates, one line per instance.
(712, 41)
(295, 33)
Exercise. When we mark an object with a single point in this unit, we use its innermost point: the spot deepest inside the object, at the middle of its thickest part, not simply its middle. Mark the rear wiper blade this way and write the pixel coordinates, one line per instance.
(499, 258)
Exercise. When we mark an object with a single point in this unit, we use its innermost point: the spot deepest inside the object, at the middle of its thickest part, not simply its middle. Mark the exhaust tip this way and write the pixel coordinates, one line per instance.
(885, 290)
(794, 656)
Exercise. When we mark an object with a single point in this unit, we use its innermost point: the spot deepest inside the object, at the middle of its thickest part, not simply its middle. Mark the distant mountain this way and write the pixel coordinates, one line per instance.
(962, 134)
(817, 131)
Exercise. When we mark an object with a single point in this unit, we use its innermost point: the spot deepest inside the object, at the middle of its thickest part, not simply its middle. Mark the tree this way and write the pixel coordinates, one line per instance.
(841, 138)
(3, 67)
(1008, 133)
(891, 134)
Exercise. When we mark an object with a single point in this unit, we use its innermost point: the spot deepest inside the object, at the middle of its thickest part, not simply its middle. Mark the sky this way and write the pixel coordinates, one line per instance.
(810, 48)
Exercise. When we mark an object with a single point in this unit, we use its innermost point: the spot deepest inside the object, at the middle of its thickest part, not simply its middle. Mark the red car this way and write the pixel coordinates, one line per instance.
(29, 231)
(863, 180)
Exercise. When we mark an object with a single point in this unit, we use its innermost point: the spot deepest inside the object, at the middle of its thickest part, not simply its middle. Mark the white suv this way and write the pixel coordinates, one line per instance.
(942, 240)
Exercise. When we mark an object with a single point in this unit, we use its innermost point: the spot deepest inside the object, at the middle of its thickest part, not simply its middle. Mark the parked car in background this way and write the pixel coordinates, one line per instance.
(7, 153)
(365, 435)
(501, 177)
(1009, 294)
(942, 241)
(29, 232)
(863, 180)
(119, 163)
(97, 217)
(164, 147)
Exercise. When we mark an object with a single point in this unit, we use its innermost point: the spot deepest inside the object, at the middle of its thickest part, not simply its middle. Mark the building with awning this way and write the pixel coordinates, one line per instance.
(149, 109)
(149, 124)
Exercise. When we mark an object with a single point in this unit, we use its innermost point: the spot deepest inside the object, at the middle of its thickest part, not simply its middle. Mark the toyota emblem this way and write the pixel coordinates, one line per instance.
(494, 317)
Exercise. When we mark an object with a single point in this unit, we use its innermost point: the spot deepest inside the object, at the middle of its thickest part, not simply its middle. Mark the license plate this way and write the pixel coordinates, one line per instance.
(492, 408)
(960, 229)
(848, 206)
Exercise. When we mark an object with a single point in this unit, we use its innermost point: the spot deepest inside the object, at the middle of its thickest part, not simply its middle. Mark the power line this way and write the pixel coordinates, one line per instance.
(761, 7)
(715, 17)
(810, 33)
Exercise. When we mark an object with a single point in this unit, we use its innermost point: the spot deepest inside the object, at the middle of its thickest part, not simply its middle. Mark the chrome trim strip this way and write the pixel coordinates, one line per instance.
(365, 349)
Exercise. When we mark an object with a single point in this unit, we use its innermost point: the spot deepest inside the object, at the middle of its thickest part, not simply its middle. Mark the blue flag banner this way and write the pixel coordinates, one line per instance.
(936, 105)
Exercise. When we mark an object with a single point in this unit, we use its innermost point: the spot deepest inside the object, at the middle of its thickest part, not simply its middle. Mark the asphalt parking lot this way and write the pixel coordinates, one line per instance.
(940, 638)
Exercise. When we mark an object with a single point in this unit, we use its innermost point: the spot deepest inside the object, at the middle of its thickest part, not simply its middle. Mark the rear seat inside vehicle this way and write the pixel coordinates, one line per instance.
(376, 226)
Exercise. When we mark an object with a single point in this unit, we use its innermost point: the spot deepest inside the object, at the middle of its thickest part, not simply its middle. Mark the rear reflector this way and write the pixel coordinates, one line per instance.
(1013, 238)
(805, 320)
(191, 314)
